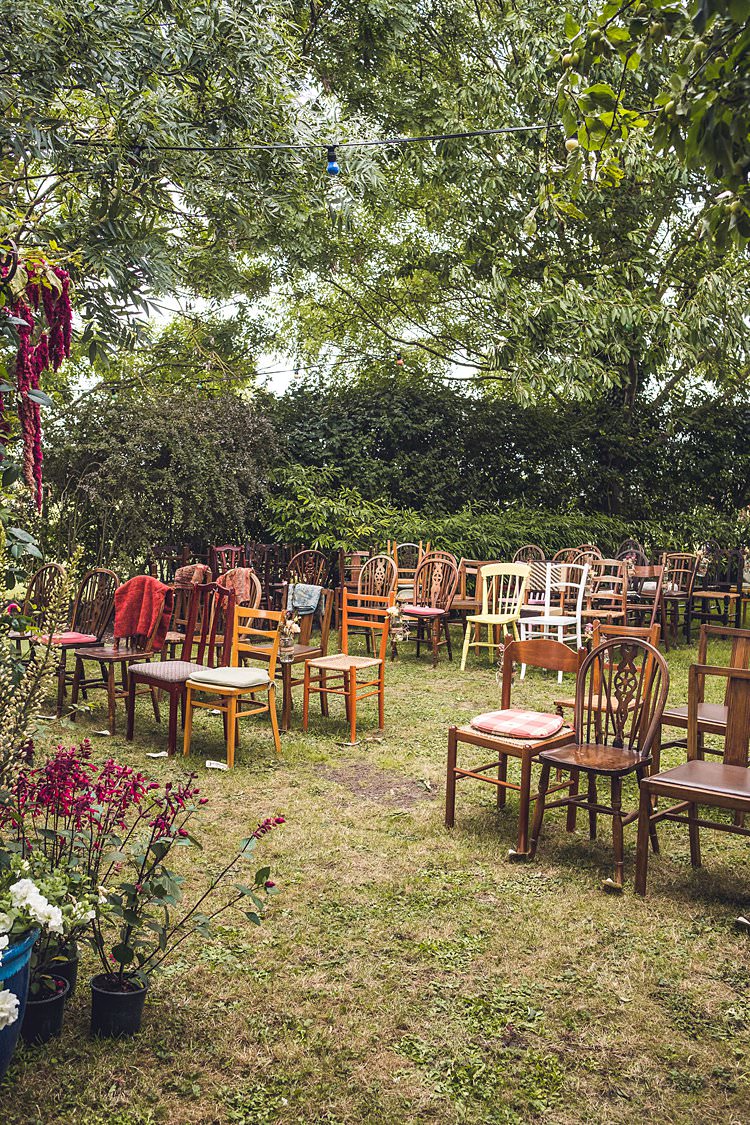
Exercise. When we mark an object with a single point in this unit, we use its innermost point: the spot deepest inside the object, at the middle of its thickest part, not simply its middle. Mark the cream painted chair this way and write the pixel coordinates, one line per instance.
(503, 592)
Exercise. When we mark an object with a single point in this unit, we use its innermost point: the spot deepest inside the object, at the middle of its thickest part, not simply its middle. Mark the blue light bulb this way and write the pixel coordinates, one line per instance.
(332, 167)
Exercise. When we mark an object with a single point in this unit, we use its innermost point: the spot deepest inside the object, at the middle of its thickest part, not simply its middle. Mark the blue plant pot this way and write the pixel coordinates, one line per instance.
(14, 976)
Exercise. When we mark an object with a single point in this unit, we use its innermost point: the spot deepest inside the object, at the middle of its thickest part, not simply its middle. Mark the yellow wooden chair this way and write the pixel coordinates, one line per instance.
(232, 683)
(503, 591)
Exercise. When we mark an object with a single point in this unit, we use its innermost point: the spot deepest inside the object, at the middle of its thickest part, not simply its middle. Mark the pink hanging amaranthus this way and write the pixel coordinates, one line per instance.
(34, 357)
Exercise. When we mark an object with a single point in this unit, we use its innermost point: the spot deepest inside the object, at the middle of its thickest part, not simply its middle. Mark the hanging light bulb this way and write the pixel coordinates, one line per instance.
(332, 167)
(399, 360)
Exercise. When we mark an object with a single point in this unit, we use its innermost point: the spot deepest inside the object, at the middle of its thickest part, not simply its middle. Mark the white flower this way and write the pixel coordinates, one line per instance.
(23, 893)
(8, 1008)
(102, 895)
(4, 939)
(49, 916)
(5, 923)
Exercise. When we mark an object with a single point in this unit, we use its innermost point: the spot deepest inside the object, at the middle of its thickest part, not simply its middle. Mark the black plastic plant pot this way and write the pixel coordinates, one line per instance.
(68, 970)
(43, 1018)
(116, 1014)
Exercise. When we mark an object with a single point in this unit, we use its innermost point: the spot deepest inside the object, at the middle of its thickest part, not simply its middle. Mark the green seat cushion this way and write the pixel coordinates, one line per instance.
(230, 678)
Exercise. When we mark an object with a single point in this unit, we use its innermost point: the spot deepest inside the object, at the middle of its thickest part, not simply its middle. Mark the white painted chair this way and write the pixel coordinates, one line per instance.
(564, 594)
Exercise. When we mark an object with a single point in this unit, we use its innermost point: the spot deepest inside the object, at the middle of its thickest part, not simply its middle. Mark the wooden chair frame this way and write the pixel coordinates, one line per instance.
(722, 785)
(607, 598)
(677, 591)
(228, 700)
(644, 598)
(540, 653)
(503, 593)
(434, 588)
(310, 567)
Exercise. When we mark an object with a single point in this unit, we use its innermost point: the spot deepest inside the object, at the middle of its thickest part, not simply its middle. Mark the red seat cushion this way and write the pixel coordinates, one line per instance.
(422, 611)
(69, 638)
(519, 724)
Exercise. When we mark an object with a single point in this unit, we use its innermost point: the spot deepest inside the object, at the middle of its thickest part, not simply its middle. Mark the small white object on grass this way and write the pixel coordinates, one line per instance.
(103, 732)
(212, 765)
(158, 754)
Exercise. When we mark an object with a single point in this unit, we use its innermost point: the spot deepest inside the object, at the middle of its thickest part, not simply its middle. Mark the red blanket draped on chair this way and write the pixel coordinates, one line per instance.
(137, 605)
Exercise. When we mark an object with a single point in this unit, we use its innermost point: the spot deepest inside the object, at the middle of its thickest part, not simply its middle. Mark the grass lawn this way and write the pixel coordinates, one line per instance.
(408, 973)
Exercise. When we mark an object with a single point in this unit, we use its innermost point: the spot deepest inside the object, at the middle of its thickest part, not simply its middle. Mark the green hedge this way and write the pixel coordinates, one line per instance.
(307, 509)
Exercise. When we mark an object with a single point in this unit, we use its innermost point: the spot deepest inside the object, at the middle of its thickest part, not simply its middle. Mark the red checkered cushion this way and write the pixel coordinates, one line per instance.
(69, 638)
(519, 724)
(421, 611)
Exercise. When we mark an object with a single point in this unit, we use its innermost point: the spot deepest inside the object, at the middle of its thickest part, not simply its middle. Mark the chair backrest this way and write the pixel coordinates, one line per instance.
(378, 576)
(632, 550)
(40, 593)
(504, 587)
(606, 632)
(210, 618)
(537, 585)
(679, 572)
(566, 586)
(323, 614)
(435, 580)
(94, 602)
(720, 569)
(365, 611)
(349, 566)
(542, 652)
(261, 624)
(469, 582)
(163, 560)
(407, 557)
(245, 583)
(608, 586)
(529, 553)
(565, 554)
(144, 642)
(310, 567)
(646, 583)
(739, 656)
(586, 553)
(228, 557)
(620, 695)
(737, 697)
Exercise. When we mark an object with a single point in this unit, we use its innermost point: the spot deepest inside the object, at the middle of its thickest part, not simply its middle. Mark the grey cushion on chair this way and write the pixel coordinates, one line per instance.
(168, 671)
(238, 678)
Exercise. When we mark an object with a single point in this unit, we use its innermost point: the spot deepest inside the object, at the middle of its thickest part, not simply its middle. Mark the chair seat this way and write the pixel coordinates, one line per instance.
(167, 671)
(708, 777)
(470, 734)
(517, 723)
(714, 714)
(717, 594)
(240, 679)
(109, 653)
(66, 639)
(422, 611)
(493, 618)
(549, 619)
(596, 703)
(343, 663)
(593, 757)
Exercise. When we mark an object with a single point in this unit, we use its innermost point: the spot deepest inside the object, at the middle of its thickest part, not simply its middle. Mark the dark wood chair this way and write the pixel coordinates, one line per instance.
(311, 567)
(41, 591)
(606, 632)
(696, 782)
(468, 596)
(711, 718)
(349, 565)
(620, 695)
(224, 689)
(644, 593)
(210, 617)
(565, 555)
(407, 557)
(607, 592)
(123, 652)
(542, 653)
(717, 590)
(435, 584)
(228, 557)
(587, 554)
(89, 618)
(530, 553)
(677, 592)
(306, 648)
(337, 675)
(630, 550)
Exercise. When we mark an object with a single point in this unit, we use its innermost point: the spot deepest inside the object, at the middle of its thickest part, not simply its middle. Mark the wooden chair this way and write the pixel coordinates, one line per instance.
(434, 586)
(210, 616)
(529, 553)
(711, 718)
(620, 695)
(303, 650)
(39, 598)
(90, 616)
(562, 611)
(222, 559)
(630, 550)
(349, 565)
(407, 557)
(677, 592)
(565, 555)
(164, 559)
(224, 688)
(503, 591)
(644, 592)
(246, 585)
(717, 590)
(468, 596)
(365, 611)
(378, 576)
(542, 653)
(607, 596)
(310, 567)
(587, 554)
(601, 633)
(719, 785)
(120, 654)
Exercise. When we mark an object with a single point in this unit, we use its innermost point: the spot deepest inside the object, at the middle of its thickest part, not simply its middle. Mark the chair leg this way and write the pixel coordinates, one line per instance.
(522, 845)
(174, 706)
(111, 699)
(323, 696)
(381, 700)
(570, 823)
(435, 631)
(231, 705)
(448, 638)
(130, 709)
(306, 696)
(450, 779)
(188, 728)
(502, 775)
(61, 683)
(155, 703)
(592, 798)
(274, 718)
(352, 695)
(617, 840)
(77, 677)
(539, 810)
(641, 855)
(465, 650)
(693, 831)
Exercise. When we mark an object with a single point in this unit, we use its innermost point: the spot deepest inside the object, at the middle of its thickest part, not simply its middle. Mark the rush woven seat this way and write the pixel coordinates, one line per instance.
(343, 663)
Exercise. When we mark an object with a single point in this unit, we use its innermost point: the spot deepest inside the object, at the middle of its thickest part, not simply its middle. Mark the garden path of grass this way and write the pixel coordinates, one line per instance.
(407, 973)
